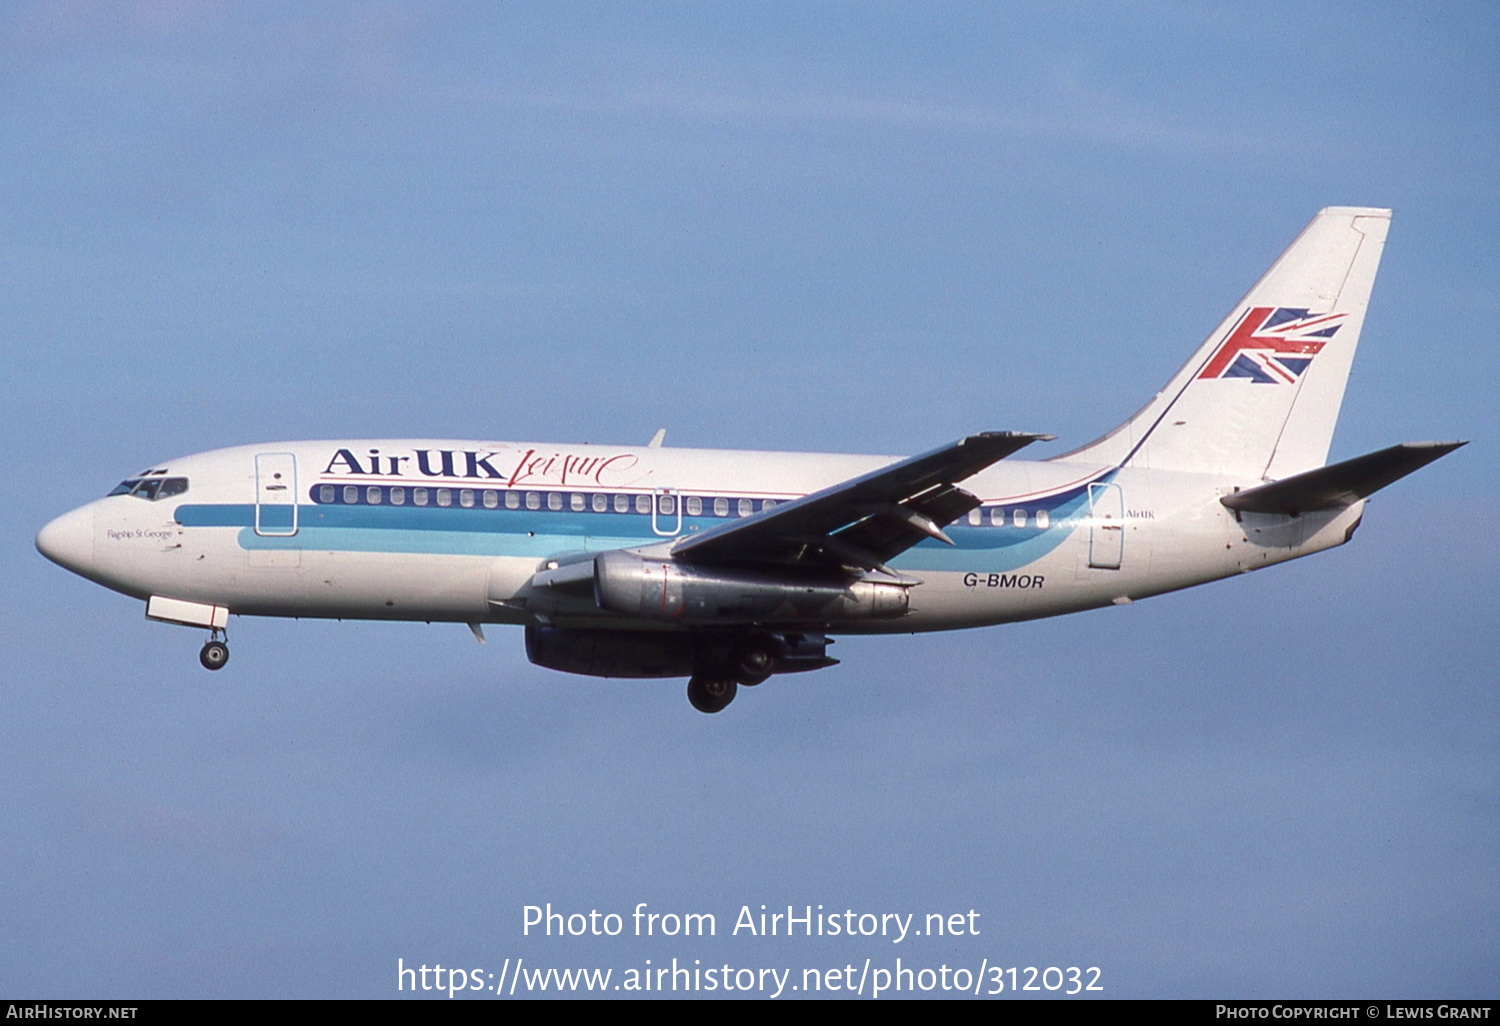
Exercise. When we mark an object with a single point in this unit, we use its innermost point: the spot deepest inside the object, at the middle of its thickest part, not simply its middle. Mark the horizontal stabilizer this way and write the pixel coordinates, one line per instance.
(1341, 484)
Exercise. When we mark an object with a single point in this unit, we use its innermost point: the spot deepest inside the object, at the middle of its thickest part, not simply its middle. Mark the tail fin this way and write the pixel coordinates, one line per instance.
(1261, 396)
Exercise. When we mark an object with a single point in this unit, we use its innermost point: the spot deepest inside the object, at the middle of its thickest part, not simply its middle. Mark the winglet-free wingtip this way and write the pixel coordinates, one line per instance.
(1030, 436)
(1014, 441)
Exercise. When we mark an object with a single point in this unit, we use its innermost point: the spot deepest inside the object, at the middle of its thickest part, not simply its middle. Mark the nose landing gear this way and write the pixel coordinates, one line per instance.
(215, 652)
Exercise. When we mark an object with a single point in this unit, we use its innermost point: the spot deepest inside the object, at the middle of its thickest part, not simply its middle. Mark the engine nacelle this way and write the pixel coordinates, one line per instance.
(616, 653)
(662, 589)
(611, 653)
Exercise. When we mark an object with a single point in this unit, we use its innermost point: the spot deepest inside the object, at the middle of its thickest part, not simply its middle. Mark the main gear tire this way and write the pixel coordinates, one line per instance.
(711, 692)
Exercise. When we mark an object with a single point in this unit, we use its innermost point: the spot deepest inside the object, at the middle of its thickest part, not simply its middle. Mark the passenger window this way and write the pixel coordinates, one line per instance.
(694, 506)
(398, 496)
(576, 502)
(554, 500)
(444, 497)
(666, 504)
(622, 504)
(643, 504)
(419, 496)
(466, 498)
(351, 493)
(533, 500)
(325, 493)
(721, 507)
(1018, 518)
(974, 517)
(997, 517)
(491, 499)
(1043, 519)
(766, 504)
(601, 502)
(746, 507)
(372, 495)
(512, 500)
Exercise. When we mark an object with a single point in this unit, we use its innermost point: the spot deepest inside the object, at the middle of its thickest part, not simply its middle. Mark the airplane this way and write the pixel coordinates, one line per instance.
(729, 567)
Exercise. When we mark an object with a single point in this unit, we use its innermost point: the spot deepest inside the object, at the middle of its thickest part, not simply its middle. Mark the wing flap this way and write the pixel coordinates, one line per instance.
(896, 527)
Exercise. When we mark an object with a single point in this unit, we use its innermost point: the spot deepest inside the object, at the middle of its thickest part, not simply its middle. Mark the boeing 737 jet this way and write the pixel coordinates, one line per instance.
(730, 566)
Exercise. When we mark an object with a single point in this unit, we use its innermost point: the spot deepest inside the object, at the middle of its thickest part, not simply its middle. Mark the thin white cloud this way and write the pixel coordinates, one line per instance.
(1078, 114)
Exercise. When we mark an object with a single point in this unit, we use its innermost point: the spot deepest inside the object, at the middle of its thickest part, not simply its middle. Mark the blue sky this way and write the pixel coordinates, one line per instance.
(843, 227)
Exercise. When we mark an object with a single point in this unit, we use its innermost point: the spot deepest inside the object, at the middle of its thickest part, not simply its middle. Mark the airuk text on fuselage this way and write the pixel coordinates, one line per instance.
(515, 467)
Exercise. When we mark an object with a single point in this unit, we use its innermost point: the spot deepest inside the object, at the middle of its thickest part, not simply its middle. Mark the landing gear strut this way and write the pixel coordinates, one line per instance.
(215, 652)
(711, 692)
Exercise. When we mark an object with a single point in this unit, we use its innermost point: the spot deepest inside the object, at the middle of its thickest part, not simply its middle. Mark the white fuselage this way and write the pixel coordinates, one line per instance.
(455, 530)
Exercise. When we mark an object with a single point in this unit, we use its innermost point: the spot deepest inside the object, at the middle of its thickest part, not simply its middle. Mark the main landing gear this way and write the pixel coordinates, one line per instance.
(711, 692)
(215, 652)
(750, 661)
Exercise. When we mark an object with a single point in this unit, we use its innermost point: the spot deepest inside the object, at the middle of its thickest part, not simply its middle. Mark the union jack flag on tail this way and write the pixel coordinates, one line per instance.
(1272, 345)
(1259, 397)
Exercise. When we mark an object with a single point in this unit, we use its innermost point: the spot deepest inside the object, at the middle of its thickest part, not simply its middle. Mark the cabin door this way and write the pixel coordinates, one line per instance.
(666, 512)
(1106, 526)
(276, 494)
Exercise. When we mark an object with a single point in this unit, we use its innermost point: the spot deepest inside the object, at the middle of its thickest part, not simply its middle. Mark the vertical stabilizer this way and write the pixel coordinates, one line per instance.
(1260, 398)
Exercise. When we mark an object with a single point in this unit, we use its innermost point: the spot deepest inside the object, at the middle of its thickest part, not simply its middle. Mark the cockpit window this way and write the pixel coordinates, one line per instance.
(151, 488)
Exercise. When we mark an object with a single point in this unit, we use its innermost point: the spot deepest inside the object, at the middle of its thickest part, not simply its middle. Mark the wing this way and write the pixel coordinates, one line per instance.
(865, 521)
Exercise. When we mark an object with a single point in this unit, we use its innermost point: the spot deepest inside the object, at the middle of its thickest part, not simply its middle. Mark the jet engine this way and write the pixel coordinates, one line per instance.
(748, 656)
(663, 589)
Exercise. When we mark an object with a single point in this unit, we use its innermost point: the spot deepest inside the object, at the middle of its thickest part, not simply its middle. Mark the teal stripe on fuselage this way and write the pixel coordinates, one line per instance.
(1000, 549)
(455, 530)
(435, 543)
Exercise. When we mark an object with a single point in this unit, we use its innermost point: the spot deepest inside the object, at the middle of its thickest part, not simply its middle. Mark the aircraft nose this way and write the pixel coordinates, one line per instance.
(69, 540)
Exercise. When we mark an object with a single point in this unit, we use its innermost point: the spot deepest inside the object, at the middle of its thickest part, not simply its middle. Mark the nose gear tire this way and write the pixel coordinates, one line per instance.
(214, 655)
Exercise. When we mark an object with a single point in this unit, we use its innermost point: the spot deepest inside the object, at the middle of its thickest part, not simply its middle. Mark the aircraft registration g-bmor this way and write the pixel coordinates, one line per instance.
(728, 567)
